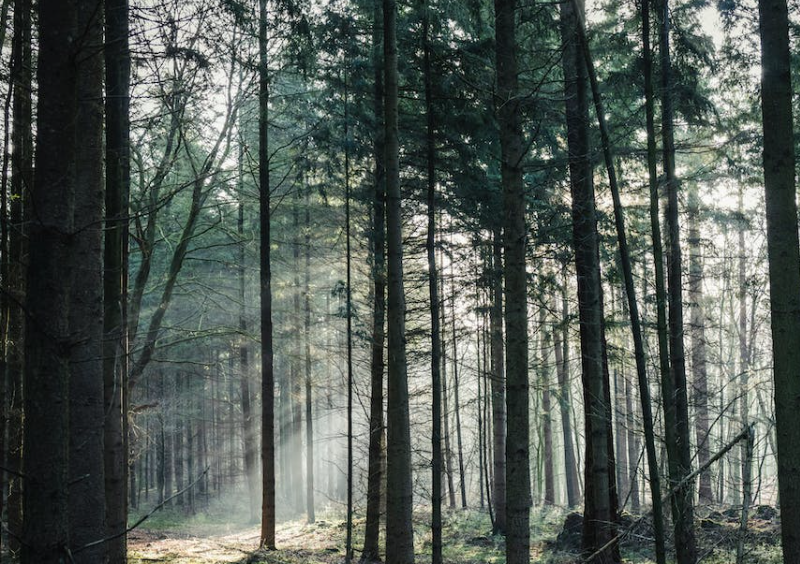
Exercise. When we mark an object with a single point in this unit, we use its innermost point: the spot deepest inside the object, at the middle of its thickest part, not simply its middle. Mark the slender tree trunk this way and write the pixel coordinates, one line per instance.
(698, 345)
(633, 448)
(177, 435)
(623, 476)
(518, 484)
(376, 430)
(349, 314)
(498, 386)
(399, 529)
(433, 292)
(456, 404)
(561, 345)
(682, 502)
(248, 433)
(744, 348)
(310, 514)
(21, 181)
(599, 517)
(547, 424)
(448, 452)
(115, 282)
(267, 376)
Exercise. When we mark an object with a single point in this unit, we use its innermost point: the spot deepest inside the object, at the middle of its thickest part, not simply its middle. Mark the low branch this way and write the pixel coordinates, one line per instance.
(144, 517)
(744, 434)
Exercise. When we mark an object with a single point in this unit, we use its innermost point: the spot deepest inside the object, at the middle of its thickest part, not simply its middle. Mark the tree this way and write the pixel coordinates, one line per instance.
(265, 280)
(783, 249)
(518, 488)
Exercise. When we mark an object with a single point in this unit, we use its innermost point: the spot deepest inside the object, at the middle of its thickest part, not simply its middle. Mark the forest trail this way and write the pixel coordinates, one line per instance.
(298, 542)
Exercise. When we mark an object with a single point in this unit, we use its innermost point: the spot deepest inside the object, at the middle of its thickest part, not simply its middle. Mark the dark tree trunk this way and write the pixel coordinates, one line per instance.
(86, 487)
(310, 515)
(456, 404)
(399, 529)
(561, 344)
(547, 423)
(518, 480)
(371, 549)
(682, 502)
(433, 293)
(498, 386)
(47, 352)
(21, 181)
(267, 377)
(599, 512)
(784, 259)
(115, 282)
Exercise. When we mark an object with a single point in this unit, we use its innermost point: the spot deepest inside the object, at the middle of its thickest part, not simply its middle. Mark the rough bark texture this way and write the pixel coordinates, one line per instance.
(21, 182)
(561, 345)
(599, 512)
(265, 278)
(86, 413)
(45, 534)
(682, 502)
(518, 480)
(370, 551)
(784, 259)
(498, 378)
(115, 272)
(399, 529)
(698, 346)
(433, 293)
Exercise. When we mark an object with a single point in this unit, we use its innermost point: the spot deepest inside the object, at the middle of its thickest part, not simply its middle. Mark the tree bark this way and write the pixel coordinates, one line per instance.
(48, 342)
(267, 539)
(371, 550)
(498, 386)
(561, 345)
(399, 529)
(518, 481)
(784, 259)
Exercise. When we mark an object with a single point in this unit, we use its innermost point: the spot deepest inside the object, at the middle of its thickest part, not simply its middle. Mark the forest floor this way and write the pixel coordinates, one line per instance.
(218, 537)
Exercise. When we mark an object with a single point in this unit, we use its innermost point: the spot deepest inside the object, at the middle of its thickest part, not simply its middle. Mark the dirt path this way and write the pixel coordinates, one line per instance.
(298, 543)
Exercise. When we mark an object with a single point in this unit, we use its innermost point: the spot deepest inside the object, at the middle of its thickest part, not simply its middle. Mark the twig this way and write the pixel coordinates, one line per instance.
(144, 517)
(678, 487)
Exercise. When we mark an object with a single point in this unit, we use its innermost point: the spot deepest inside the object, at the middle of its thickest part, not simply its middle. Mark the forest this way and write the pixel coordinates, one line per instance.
(447, 281)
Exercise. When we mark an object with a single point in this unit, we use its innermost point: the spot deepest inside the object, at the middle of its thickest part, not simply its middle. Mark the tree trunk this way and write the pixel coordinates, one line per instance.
(399, 529)
(21, 181)
(310, 515)
(633, 448)
(371, 550)
(456, 404)
(698, 345)
(784, 259)
(518, 481)
(47, 367)
(547, 424)
(623, 476)
(267, 539)
(115, 282)
(561, 345)
(599, 513)
(498, 386)
(433, 292)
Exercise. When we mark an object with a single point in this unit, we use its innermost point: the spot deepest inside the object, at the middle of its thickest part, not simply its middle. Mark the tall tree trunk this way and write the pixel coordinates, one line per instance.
(744, 348)
(371, 551)
(547, 423)
(682, 502)
(115, 282)
(599, 514)
(45, 498)
(296, 433)
(518, 480)
(633, 448)
(498, 386)
(561, 345)
(21, 181)
(698, 345)
(623, 476)
(456, 404)
(267, 539)
(433, 292)
(310, 514)
(86, 413)
(248, 433)
(448, 452)
(399, 529)
(349, 320)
